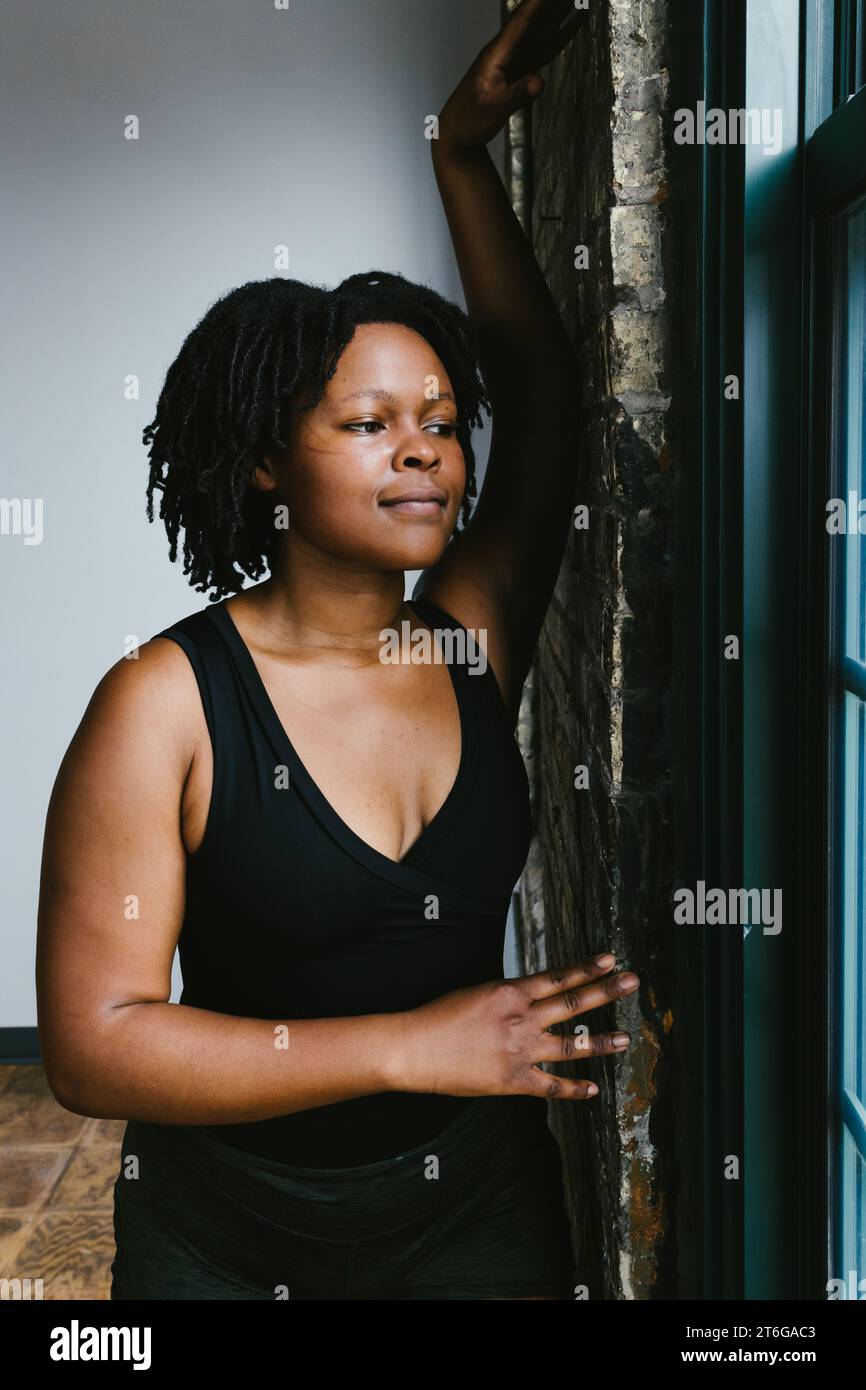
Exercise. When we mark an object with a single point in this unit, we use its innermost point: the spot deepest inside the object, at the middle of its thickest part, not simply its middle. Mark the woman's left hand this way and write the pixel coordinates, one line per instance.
(506, 75)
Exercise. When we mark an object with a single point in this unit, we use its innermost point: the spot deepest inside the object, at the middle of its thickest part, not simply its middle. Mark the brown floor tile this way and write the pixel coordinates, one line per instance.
(29, 1113)
(89, 1178)
(105, 1132)
(29, 1078)
(6, 1075)
(57, 1175)
(71, 1252)
(28, 1175)
(93, 1294)
(13, 1233)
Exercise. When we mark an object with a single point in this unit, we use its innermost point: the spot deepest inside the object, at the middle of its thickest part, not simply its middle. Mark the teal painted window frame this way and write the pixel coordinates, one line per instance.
(758, 1045)
(835, 193)
(834, 186)
(782, 1034)
(799, 1032)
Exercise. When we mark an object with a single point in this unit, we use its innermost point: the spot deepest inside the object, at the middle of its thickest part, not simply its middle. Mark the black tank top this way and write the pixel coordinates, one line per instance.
(289, 914)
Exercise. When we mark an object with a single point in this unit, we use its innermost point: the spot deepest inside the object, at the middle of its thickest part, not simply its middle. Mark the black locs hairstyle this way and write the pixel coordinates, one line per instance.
(261, 353)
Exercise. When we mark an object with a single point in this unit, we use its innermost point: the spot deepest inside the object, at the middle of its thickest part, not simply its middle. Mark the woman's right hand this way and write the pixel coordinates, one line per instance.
(487, 1040)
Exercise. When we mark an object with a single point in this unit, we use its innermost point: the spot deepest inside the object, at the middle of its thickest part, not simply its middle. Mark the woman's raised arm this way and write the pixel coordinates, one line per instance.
(499, 573)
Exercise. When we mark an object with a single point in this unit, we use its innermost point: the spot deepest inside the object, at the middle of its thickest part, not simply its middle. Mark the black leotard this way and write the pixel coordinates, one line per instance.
(290, 914)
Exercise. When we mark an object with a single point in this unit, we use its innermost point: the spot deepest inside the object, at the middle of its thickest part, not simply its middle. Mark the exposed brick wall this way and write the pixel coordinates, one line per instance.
(599, 872)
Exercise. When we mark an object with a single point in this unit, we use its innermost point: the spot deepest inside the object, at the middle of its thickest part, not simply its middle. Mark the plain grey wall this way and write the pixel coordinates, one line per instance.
(258, 127)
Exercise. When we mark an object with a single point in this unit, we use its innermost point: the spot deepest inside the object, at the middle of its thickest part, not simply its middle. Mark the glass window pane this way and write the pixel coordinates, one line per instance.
(853, 923)
(851, 417)
(852, 1195)
(820, 42)
(848, 857)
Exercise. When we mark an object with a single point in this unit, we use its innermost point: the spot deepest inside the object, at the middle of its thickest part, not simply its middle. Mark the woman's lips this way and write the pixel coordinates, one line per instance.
(431, 507)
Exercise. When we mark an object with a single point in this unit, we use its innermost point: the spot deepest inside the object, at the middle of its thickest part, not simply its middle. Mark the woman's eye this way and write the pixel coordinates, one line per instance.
(447, 427)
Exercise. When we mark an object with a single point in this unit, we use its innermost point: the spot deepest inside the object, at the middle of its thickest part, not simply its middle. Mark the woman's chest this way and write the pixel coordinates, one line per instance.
(384, 752)
(278, 851)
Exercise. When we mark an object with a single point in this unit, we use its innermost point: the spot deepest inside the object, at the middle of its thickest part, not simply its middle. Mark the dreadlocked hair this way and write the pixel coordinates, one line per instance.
(262, 353)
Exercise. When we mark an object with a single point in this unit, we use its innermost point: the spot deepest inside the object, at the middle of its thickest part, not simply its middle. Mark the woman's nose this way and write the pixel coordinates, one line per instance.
(420, 448)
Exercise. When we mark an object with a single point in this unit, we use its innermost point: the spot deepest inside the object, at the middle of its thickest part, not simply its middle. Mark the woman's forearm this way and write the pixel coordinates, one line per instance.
(513, 314)
(519, 336)
(173, 1064)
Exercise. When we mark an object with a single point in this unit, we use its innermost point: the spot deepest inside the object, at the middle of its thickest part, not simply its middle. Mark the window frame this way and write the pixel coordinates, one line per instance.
(835, 183)
(789, 739)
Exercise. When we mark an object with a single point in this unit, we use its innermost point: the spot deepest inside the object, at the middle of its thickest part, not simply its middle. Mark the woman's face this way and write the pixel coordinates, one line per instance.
(385, 428)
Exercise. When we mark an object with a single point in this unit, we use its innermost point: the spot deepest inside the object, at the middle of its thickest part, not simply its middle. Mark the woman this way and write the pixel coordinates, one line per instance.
(348, 1100)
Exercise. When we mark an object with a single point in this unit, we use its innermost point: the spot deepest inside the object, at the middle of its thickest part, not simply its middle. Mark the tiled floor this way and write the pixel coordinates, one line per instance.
(57, 1173)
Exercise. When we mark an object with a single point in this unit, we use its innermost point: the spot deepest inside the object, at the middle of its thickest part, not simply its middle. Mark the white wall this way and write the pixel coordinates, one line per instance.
(257, 127)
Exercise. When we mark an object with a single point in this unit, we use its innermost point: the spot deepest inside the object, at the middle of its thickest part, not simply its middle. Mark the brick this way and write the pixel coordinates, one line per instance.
(599, 868)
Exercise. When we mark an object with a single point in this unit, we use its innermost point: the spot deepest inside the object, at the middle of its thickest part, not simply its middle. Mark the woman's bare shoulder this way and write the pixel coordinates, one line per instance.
(150, 700)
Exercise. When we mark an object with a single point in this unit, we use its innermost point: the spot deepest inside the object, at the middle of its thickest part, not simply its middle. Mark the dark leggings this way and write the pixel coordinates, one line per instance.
(475, 1212)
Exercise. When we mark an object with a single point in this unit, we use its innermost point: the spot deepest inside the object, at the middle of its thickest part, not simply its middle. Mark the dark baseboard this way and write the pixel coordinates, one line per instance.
(19, 1046)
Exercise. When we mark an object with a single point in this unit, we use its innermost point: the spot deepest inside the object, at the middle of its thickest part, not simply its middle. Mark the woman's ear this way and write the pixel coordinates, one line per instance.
(263, 476)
